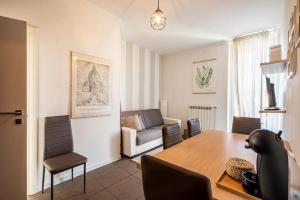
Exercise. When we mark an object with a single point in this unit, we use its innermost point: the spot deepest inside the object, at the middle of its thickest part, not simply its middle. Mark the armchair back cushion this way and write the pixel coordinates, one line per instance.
(149, 118)
(153, 118)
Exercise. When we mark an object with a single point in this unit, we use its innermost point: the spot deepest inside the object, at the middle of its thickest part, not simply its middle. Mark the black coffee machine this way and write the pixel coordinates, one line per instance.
(272, 163)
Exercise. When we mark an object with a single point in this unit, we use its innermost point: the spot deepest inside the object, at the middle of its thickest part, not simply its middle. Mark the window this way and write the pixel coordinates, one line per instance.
(247, 84)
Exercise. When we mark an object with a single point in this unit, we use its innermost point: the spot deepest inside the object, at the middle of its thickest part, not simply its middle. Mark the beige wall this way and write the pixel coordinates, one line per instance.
(64, 26)
(292, 117)
(176, 82)
(139, 78)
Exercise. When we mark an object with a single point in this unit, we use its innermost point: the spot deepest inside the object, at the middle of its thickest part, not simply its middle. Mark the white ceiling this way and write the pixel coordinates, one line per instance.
(192, 23)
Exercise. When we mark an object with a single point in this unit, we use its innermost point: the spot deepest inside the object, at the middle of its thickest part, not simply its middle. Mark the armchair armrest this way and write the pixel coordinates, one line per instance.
(172, 121)
(129, 141)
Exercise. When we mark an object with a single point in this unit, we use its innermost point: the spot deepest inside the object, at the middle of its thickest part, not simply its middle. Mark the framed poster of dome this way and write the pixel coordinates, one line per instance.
(91, 86)
(204, 77)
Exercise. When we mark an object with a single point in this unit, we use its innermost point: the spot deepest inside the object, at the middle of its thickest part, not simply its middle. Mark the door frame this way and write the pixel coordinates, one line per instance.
(32, 110)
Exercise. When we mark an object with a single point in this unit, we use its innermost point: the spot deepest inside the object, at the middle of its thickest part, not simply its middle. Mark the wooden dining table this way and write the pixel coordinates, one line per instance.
(207, 153)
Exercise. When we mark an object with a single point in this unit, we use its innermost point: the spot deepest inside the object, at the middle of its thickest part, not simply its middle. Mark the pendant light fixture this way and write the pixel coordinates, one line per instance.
(158, 19)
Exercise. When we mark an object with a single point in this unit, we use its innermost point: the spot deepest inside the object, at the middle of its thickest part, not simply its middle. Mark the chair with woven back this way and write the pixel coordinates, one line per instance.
(193, 127)
(245, 125)
(171, 135)
(58, 151)
(165, 181)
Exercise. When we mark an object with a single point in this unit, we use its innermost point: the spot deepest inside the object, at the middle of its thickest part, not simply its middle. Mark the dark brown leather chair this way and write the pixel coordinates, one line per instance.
(58, 151)
(193, 127)
(245, 125)
(165, 181)
(171, 135)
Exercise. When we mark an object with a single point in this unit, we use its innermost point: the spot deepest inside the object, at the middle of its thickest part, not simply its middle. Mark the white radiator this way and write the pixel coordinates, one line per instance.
(206, 115)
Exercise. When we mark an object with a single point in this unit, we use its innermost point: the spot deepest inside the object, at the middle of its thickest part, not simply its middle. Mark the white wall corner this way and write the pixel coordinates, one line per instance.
(135, 77)
(123, 75)
(147, 79)
(156, 80)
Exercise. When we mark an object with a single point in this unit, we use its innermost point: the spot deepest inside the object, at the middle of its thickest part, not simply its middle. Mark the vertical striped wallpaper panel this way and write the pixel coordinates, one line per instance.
(139, 78)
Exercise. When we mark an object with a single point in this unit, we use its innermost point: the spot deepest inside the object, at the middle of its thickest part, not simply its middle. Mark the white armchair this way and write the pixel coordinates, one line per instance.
(130, 148)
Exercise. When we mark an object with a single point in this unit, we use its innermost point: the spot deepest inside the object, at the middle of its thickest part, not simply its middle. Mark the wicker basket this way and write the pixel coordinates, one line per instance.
(235, 166)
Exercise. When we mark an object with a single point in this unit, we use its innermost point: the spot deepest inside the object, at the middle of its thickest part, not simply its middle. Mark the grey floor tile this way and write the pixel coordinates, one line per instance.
(78, 197)
(141, 198)
(45, 195)
(126, 165)
(105, 166)
(70, 189)
(111, 175)
(121, 178)
(103, 195)
(129, 188)
(138, 174)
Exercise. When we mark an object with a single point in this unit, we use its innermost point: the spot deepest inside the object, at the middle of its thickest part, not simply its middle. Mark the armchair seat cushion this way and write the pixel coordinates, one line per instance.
(64, 162)
(148, 135)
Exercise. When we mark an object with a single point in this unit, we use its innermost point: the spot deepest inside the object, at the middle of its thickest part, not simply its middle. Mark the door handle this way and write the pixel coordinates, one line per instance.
(16, 112)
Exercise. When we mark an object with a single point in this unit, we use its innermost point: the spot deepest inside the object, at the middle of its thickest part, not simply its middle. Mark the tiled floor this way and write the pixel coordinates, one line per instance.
(120, 180)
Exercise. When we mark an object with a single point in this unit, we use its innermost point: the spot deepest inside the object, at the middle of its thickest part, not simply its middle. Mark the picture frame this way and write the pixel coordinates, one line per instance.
(292, 67)
(91, 86)
(296, 18)
(203, 77)
(293, 41)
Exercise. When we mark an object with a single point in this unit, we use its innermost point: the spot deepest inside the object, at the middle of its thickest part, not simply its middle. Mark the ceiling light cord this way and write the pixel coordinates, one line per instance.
(158, 4)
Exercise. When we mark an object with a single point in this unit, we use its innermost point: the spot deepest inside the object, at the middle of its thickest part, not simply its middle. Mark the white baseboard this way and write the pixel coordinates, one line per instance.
(77, 172)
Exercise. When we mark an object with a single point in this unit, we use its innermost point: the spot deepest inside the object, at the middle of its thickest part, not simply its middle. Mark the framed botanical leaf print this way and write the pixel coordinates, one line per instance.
(204, 76)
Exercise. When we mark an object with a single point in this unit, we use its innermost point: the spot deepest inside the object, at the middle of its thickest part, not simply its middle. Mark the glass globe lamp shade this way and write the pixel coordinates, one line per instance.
(158, 20)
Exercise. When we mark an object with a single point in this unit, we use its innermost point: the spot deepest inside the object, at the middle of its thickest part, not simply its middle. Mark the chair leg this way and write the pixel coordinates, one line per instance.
(84, 171)
(43, 179)
(51, 186)
(72, 175)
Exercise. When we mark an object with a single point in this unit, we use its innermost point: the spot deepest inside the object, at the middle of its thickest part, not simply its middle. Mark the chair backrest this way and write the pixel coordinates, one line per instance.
(58, 136)
(245, 125)
(171, 135)
(193, 127)
(165, 181)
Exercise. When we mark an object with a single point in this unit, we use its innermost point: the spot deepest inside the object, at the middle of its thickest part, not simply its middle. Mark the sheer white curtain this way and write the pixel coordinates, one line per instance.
(247, 92)
(249, 52)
